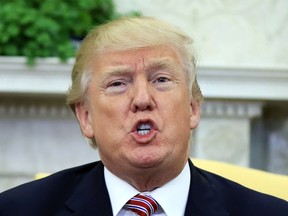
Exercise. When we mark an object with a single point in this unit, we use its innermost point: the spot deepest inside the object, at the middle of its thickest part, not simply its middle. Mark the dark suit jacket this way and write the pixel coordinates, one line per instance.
(82, 191)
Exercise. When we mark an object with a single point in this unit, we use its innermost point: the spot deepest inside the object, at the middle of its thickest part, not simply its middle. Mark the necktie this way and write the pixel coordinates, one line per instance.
(143, 205)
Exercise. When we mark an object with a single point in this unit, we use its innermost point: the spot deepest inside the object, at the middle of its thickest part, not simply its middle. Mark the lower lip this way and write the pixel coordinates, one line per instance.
(143, 139)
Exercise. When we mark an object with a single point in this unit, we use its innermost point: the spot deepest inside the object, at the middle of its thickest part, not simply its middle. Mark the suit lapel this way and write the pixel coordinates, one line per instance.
(91, 197)
(202, 199)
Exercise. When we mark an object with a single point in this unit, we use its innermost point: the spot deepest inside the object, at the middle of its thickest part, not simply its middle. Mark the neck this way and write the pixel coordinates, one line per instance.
(148, 179)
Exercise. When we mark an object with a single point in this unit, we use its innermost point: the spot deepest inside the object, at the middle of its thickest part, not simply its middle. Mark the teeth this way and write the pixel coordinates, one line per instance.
(143, 132)
(143, 129)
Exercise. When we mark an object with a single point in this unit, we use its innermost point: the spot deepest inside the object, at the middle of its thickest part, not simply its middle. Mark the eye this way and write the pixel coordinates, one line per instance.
(161, 80)
(116, 84)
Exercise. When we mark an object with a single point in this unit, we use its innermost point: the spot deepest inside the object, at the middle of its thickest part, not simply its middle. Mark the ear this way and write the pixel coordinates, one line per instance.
(194, 113)
(83, 116)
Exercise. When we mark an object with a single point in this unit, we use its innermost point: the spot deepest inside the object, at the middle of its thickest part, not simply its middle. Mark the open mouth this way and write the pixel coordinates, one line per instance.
(144, 128)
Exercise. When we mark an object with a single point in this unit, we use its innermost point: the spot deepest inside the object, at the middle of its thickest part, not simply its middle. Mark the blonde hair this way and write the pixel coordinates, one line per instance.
(130, 33)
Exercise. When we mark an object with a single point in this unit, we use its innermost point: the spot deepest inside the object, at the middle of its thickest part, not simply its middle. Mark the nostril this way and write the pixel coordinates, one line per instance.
(142, 105)
(143, 108)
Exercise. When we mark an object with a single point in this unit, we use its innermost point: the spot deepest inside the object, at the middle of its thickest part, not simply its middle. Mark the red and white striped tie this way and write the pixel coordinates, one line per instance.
(143, 205)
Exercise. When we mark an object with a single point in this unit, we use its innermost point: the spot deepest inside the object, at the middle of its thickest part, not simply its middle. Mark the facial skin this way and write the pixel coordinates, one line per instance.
(139, 110)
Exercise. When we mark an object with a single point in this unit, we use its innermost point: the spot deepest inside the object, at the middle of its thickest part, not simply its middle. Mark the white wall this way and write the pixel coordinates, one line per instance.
(233, 33)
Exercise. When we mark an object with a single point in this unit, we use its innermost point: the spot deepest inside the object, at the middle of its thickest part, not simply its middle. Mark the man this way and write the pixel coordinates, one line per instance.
(136, 97)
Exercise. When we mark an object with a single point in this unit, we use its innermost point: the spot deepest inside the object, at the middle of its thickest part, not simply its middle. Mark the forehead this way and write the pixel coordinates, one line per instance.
(142, 57)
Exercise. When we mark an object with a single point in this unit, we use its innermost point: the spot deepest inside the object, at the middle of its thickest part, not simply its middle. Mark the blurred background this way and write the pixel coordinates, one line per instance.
(241, 49)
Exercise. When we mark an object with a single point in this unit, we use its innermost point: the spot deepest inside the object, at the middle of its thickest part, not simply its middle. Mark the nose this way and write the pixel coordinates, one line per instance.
(142, 98)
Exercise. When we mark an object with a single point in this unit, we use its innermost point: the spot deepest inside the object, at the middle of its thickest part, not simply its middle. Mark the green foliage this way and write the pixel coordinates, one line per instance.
(44, 28)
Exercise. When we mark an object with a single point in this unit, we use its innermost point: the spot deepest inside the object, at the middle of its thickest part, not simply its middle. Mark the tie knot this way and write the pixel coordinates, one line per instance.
(143, 205)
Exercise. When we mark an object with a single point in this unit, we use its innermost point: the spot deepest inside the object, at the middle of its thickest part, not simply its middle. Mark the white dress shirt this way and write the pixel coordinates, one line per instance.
(172, 197)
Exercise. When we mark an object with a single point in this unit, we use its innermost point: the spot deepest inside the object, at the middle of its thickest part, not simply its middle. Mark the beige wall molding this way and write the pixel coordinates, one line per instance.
(48, 76)
(51, 77)
(244, 83)
(231, 109)
(30, 109)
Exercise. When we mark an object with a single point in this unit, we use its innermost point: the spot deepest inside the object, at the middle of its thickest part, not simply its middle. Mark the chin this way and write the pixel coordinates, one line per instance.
(148, 161)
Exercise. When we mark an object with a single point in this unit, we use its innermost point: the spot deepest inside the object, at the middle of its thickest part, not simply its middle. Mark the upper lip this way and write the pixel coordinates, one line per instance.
(144, 121)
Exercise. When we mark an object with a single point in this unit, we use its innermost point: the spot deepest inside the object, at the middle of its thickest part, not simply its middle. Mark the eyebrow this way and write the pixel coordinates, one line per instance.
(118, 70)
(151, 65)
(160, 63)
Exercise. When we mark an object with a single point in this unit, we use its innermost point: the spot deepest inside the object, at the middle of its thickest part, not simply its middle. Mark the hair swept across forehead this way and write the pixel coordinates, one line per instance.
(137, 32)
(130, 33)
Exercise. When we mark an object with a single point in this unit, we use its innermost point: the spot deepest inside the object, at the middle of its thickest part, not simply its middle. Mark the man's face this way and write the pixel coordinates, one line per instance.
(138, 109)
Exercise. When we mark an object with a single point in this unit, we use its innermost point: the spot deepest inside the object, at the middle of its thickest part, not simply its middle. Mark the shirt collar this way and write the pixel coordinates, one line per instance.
(178, 188)
(119, 191)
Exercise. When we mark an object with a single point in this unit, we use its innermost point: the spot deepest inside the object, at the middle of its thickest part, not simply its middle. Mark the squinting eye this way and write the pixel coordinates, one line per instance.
(115, 84)
(116, 87)
(162, 80)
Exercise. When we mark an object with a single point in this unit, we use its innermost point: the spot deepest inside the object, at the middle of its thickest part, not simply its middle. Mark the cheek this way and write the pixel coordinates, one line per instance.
(177, 106)
(108, 108)
(108, 117)
(178, 116)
